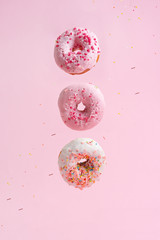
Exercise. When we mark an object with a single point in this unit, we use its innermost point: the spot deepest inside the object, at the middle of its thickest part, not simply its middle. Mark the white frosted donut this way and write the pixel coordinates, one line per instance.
(81, 162)
(81, 106)
(77, 50)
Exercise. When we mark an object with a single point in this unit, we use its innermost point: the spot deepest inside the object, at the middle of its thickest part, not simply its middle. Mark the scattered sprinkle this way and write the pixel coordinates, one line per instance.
(119, 114)
(40, 104)
(114, 62)
(22, 185)
(137, 93)
(35, 166)
(20, 209)
(129, 19)
(8, 199)
(114, 7)
(122, 13)
(109, 34)
(20, 155)
(118, 93)
(53, 134)
(43, 123)
(104, 138)
(42, 145)
(117, 16)
(133, 67)
(51, 174)
(139, 18)
(8, 183)
(30, 154)
(33, 195)
(131, 46)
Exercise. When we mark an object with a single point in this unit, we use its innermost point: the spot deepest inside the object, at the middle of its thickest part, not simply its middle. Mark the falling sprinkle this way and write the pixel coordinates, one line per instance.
(8, 199)
(109, 34)
(117, 16)
(129, 19)
(122, 13)
(114, 62)
(133, 67)
(43, 123)
(20, 155)
(118, 93)
(104, 138)
(33, 195)
(93, 1)
(35, 166)
(8, 183)
(30, 154)
(40, 104)
(42, 145)
(131, 46)
(22, 185)
(135, 6)
(137, 93)
(119, 114)
(139, 18)
(114, 7)
(53, 134)
(20, 209)
(51, 174)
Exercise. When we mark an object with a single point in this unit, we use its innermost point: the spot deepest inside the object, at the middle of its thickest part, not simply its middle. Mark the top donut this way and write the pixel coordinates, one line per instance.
(77, 51)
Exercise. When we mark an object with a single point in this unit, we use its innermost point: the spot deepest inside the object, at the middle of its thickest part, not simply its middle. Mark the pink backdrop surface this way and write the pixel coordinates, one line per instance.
(35, 202)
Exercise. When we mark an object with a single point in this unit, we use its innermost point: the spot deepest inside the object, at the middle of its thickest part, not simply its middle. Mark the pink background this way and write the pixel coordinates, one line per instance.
(35, 202)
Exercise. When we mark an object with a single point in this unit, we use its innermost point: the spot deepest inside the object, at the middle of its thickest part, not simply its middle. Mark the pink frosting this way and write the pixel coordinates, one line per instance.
(90, 97)
(76, 50)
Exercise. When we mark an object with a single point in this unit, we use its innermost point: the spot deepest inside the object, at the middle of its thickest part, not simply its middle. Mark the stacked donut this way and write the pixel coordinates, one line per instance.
(81, 107)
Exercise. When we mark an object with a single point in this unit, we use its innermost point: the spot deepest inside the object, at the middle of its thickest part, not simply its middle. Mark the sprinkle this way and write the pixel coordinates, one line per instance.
(121, 13)
(114, 62)
(133, 67)
(20, 209)
(30, 154)
(118, 93)
(43, 123)
(114, 7)
(117, 16)
(42, 145)
(8, 183)
(119, 114)
(131, 46)
(137, 93)
(51, 174)
(53, 134)
(33, 195)
(35, 166)
(8, 199)
(104, 138)
(139, 18)
(20, 155)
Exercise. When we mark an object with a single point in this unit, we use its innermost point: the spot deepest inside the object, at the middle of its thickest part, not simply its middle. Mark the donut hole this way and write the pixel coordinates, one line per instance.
(83, 161)
(81, 107)
(77, 47)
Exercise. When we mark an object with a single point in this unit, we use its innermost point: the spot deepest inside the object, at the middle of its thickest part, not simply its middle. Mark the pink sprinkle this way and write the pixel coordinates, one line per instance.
(61, 66)
(57, 45)
(88, 50)
(98, 51)
(67, 67)
(80, 36)
(67, 42)
(92, 47)
(69, 119)
(85, 54)
(70, 38)
(84, 59)
(78, 52)
(71, 33)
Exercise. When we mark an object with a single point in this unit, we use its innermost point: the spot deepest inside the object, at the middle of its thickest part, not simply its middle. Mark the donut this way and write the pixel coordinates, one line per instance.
(81, 106)
(76, 51)
(81, 162)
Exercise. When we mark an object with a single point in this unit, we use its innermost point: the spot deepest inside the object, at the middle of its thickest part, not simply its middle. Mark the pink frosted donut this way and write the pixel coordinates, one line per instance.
(81, 106)
(76, 50)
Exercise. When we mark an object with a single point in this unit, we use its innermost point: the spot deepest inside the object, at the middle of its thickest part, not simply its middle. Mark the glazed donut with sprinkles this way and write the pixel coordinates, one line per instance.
(77, 51)
(81, 106)
(81, 162)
